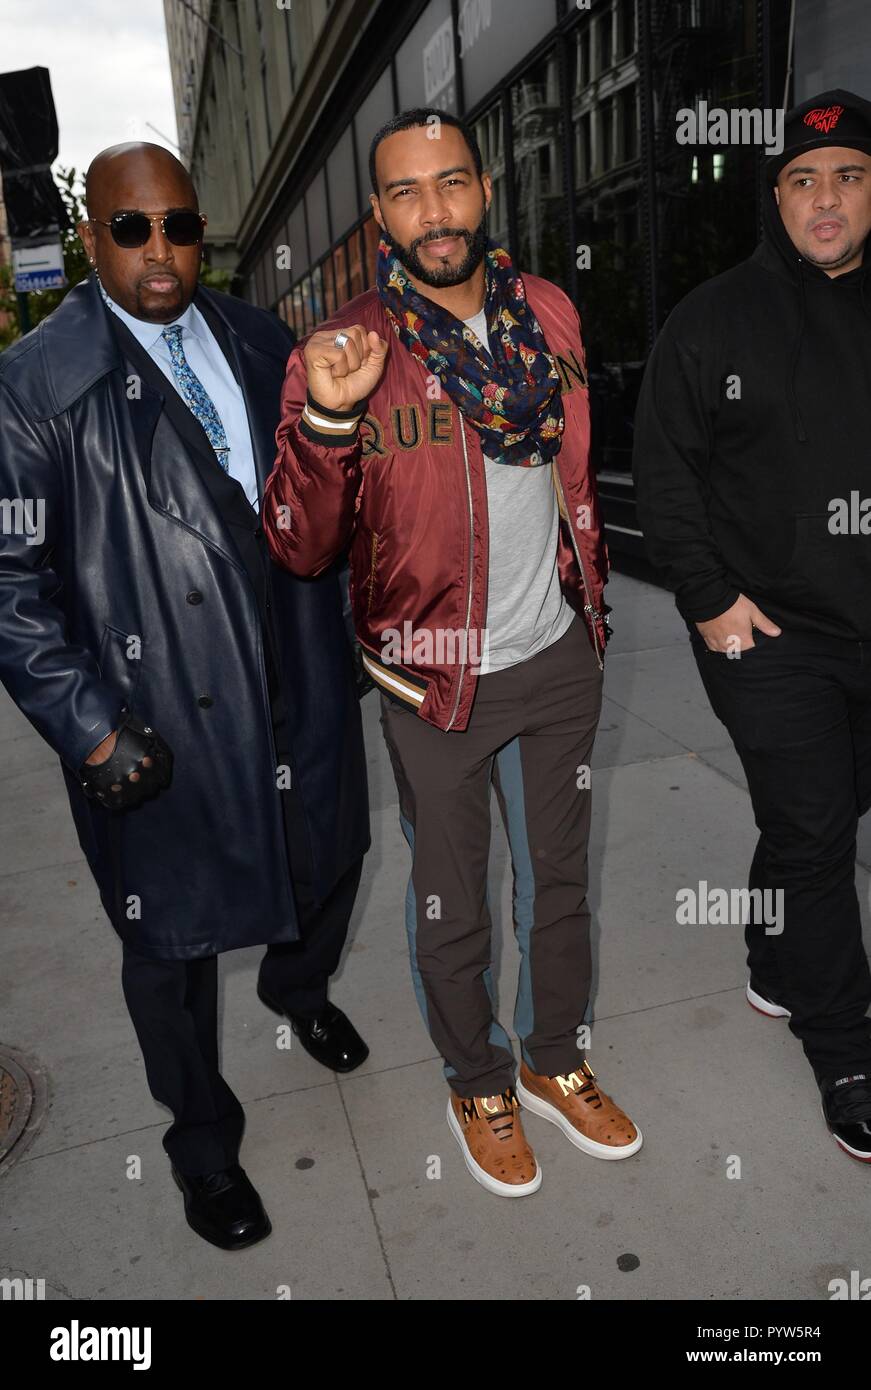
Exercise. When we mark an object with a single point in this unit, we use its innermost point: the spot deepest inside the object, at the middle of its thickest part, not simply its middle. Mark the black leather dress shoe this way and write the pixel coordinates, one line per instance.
(847, 1112)
(224, 1208)
(331, 1038)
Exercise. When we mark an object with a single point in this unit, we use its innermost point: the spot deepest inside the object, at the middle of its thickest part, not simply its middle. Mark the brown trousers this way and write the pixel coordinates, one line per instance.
(531, 733)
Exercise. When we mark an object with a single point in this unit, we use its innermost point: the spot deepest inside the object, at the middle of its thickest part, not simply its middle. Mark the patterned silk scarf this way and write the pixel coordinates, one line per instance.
(511, 394)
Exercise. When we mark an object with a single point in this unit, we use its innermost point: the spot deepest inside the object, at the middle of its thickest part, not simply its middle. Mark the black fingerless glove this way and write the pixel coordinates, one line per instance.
(109, 782)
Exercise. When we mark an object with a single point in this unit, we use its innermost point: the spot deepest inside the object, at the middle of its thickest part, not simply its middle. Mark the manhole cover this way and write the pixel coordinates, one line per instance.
(23, 1100)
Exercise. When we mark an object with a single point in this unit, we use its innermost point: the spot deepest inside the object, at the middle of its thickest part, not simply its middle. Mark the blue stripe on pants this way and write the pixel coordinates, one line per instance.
(511, 785)
(510, 767)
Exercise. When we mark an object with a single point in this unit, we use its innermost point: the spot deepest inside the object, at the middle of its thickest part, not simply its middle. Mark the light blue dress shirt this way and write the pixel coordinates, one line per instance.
(208, 362)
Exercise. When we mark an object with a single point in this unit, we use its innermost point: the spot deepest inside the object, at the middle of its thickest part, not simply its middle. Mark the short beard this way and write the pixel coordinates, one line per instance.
(845, 256)
(444, 277)
(168, 314)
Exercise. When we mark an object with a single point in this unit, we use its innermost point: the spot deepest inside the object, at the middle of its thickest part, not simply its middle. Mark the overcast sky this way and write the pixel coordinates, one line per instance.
(109, 67)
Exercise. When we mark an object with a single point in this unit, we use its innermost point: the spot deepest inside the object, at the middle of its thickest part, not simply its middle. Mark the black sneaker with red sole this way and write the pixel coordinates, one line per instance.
(846, 1108)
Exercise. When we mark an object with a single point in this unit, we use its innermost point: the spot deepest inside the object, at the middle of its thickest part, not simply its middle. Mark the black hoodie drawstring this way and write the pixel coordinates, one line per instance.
(800, 432)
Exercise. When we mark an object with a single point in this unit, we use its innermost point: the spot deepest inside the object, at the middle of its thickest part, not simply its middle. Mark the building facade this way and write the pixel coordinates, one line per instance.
(575, 108)
(833, 47)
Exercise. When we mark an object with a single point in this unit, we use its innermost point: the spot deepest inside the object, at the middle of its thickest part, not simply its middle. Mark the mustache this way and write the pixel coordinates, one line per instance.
(159, 275)
(441, 235)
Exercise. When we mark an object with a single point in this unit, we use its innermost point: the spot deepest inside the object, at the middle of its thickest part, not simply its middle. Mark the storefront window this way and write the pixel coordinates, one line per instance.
(606, 137)
(342, 184)
(606, 32)
(298, 241)
(495, 35)
(317, 282)
(375, 110)
(355, 265)
(329, 288)
(425, 67)
(316, 209)
(542, 245)
(629, 124)
(581, 55)
(298, 316)
(307, 315)
(340, 273)
(583, 148)
(706, 213)
(488, 133)
(626, 27)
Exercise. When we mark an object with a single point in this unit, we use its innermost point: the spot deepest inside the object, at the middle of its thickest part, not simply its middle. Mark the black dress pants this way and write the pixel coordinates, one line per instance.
(173, 1005)
(798, 708)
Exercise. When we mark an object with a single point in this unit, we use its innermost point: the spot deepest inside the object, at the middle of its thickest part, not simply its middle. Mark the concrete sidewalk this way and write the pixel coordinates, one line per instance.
(343, 1164)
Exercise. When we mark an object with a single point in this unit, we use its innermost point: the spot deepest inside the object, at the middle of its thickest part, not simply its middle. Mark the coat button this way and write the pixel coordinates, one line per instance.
(205, 701)
(194, 596)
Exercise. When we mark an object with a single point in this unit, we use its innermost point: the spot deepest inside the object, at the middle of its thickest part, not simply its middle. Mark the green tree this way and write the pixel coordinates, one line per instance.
(42, 302)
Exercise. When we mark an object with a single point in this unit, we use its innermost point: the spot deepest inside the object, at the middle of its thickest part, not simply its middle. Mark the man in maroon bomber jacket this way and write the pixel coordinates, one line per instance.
(477, 593)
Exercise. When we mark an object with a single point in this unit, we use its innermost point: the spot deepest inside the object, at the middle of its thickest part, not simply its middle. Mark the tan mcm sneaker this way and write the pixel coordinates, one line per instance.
(588, 1118)
(494, 1147)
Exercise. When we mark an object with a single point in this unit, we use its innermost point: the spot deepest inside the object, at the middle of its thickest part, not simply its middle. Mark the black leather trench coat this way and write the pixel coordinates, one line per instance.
(96, 612)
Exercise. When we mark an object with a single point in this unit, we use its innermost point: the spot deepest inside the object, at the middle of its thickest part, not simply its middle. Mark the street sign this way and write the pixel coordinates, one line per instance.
(39, 267)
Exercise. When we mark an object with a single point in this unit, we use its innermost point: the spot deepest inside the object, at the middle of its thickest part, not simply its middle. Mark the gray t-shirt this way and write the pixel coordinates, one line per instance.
(526, 608)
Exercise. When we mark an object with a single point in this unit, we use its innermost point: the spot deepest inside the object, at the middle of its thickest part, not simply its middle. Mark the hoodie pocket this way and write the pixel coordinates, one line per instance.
(120, 661)
(828, 573)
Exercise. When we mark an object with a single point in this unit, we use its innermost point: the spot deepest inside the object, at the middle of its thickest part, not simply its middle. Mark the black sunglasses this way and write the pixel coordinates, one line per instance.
(131, 229)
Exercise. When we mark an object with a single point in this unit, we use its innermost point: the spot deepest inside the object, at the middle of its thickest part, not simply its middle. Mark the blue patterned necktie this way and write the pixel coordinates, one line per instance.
(195, 395)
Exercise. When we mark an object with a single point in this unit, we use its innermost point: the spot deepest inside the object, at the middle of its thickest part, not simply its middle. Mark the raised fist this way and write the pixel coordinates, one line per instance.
(340, 376)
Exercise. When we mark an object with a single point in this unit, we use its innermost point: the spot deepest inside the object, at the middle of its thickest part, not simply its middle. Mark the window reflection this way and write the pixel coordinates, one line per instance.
(329, 288)
(318, 295)
(340, 271)
(536, 117)
(298, 316)
(355, 265)
(307, 316)
(488, 133)
(371, 236)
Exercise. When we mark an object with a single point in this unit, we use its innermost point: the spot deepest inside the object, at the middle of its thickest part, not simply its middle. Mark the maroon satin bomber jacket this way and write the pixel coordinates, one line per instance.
(408, 492)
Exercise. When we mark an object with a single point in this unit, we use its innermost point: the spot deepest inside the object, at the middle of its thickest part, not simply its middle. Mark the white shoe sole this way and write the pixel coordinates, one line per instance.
(499, 1189)
(588, 1146)
(765, 1006)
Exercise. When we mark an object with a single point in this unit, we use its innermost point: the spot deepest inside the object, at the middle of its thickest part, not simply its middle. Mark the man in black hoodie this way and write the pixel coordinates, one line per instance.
(753, 479)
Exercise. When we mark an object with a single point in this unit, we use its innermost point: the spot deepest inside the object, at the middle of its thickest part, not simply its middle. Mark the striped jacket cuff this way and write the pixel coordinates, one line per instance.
(323, 425)
(395, 681)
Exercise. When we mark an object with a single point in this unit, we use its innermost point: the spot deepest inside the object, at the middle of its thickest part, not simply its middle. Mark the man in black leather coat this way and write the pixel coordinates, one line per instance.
(202, 701)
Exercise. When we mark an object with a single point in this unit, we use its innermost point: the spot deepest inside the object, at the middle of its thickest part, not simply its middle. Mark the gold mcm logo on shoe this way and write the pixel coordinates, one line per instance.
(588, 1117)
(490, 1134)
